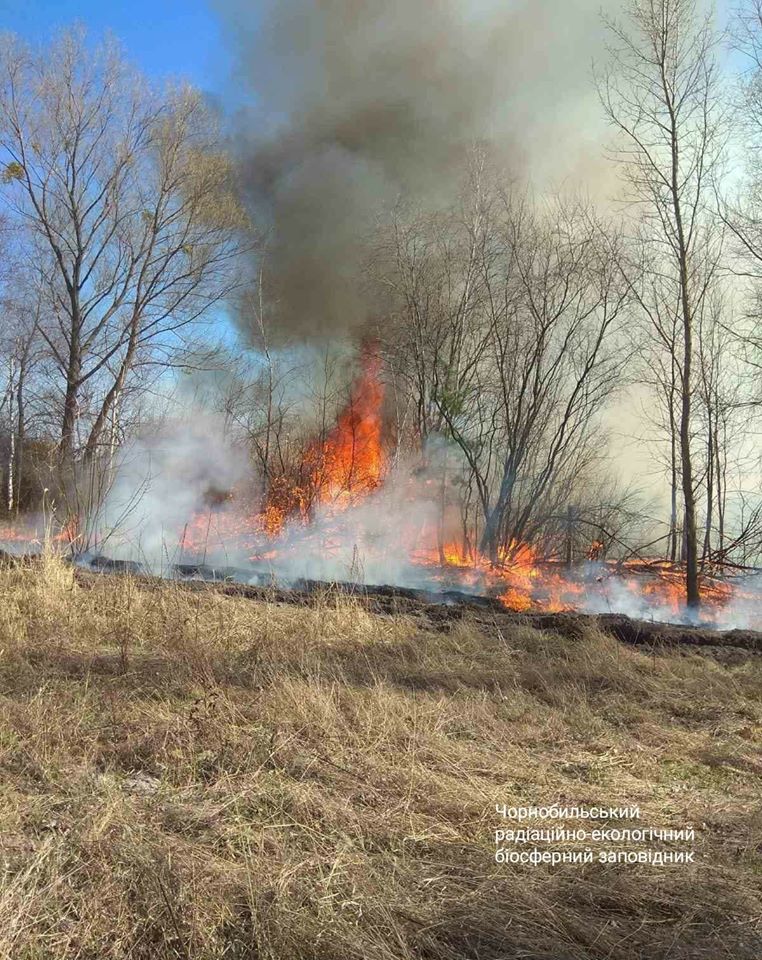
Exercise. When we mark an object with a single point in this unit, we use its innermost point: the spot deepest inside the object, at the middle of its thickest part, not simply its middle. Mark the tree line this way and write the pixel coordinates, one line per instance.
(509, 320)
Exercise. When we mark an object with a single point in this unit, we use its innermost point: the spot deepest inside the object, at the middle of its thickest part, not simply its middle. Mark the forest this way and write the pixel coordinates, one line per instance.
(350, 319)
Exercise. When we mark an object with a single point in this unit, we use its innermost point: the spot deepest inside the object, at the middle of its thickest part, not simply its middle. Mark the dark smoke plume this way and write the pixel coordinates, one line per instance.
(359, 101)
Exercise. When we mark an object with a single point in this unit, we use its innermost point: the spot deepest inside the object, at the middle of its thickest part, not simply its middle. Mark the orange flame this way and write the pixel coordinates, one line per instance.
(348, 464)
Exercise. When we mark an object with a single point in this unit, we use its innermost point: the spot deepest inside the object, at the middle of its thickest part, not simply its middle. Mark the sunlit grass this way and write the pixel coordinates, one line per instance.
(198, 776)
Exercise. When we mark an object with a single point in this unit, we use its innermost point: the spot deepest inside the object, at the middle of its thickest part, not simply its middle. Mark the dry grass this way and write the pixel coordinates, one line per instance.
(194, 776)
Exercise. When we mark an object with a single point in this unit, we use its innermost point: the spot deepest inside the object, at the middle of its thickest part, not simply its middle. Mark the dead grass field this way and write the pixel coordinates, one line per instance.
(195, 776)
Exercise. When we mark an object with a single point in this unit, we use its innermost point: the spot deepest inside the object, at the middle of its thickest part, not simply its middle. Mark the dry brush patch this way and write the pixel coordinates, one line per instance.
(199, 776)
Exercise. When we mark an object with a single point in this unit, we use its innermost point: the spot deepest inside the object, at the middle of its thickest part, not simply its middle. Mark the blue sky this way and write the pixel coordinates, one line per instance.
(180, 38)
(163, 37)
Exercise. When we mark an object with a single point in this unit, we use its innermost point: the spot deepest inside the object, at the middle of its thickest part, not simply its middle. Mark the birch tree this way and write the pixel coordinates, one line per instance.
(123, 194)
(662, 97)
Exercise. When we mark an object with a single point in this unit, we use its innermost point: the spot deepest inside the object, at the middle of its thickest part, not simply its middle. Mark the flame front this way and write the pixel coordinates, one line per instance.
(345, 471)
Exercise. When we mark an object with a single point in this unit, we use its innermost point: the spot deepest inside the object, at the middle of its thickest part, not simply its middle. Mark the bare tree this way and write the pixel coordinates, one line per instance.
(425, 263)
(503, 318)
(124, 197)
(552, 302)
(743, 215)
(662, 98)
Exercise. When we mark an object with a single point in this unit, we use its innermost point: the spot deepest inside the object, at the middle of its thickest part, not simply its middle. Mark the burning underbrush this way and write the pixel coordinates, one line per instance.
(232, 548)
(349, 514)
(352, 549)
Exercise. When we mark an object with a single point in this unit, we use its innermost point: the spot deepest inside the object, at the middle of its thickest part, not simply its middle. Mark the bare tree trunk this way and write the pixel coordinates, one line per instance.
(12, 437)
(721, 487)
(113, 442)
(707, 549)
(689, 498)
(20, 432)
(569, 537)
(113, 394)
(673, 465)
(673, 505)
(490, 539)
(260, 315)
(71, 402)
(442, 509)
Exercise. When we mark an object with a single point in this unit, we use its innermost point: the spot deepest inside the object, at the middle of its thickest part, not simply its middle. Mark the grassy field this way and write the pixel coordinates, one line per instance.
(187, 775)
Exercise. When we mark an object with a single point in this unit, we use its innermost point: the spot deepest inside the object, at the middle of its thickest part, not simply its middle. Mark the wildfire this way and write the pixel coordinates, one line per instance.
(344, 468)
(518, 578)
(523, 582)
(66, 535)
(348, 464)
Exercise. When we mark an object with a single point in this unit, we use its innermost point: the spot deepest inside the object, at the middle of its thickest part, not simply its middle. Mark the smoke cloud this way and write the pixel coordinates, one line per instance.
(174, 473)
(356, 102)
(166, 493)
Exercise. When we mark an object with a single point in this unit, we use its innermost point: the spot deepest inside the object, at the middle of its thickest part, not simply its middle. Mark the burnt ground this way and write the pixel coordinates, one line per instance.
(440, 610)
(433, 609)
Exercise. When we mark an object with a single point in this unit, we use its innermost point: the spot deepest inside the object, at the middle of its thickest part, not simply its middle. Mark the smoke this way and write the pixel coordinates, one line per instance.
(618, 594)
(168, 506)
(355, 102)
(630, 596)
(177, 472)
(359, 545)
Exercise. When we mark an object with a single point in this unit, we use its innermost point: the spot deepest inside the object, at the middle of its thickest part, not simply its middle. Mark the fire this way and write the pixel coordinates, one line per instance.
(455, 555)
(595, 551)
(338, 472)
(303, 512)
(66, 535)
(516, 600)
(348, 464)
(525, 582)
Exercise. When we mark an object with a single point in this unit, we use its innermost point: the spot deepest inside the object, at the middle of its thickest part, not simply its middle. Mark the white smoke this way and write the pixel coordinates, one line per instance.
(372, 542)
(163, 481)
(177, 478)
(629, 595)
